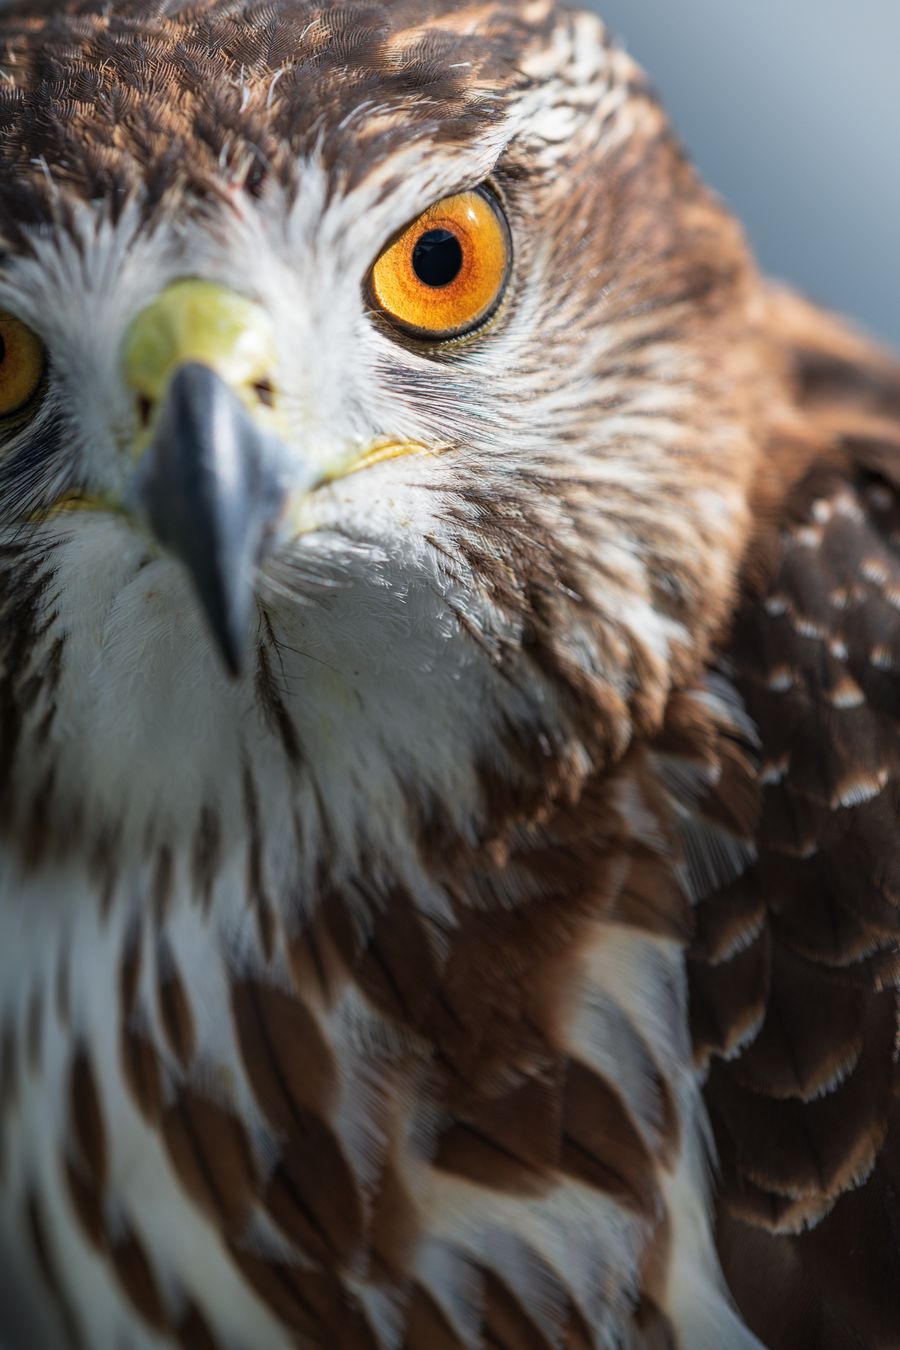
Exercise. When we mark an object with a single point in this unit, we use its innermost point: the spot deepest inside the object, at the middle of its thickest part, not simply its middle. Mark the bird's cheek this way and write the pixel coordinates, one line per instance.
(306, 511)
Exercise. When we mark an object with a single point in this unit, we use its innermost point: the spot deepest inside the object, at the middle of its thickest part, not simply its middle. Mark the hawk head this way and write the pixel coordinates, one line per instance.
(376, 426)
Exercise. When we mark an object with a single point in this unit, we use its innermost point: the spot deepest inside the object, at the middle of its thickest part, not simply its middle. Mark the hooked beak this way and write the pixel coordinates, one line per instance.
(208, 485)
(210, 475)
(214, 478)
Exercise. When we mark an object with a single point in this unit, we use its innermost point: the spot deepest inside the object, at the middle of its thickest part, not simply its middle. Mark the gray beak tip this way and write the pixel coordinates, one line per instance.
(234, 661)
(208, 486)
(230, 630)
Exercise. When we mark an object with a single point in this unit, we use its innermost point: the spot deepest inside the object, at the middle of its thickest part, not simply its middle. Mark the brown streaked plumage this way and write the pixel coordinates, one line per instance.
(804, 1114)
(507, 957)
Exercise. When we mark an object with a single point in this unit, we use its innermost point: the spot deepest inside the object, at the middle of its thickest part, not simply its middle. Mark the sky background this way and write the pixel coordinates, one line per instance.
(791, 108)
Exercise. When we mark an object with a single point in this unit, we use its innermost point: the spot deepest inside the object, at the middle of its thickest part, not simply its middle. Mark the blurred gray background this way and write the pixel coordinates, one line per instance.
(791, 108)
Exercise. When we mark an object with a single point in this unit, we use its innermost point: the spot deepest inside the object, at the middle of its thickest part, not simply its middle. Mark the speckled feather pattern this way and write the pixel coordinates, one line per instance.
(509, 959)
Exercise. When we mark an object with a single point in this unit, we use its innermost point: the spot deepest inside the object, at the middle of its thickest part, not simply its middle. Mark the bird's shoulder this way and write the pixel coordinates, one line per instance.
(795, 967)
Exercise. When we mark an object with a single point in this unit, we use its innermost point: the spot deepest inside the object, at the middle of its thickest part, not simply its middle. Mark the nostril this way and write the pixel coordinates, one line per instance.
(265, 392)
(145, 409)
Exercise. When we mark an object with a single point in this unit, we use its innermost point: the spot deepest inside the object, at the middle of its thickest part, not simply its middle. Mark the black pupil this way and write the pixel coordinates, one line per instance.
(437, 258)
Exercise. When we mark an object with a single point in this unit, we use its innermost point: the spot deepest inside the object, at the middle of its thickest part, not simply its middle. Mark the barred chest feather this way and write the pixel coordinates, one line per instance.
(384, 1124)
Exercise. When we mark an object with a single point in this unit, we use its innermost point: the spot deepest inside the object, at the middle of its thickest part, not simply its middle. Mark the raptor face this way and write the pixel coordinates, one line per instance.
(438, 507)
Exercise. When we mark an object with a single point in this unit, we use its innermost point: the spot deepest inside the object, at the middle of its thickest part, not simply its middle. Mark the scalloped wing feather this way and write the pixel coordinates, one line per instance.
(795, 967)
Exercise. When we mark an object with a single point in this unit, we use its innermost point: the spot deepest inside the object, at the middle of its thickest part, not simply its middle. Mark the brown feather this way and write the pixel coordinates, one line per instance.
(211, 1154)
(809, 1224)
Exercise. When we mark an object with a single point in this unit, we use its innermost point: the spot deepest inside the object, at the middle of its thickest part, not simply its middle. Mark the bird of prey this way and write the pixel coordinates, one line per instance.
(449, 686)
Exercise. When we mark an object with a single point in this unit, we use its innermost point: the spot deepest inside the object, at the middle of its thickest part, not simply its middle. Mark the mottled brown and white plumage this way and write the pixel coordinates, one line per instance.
(508, 957)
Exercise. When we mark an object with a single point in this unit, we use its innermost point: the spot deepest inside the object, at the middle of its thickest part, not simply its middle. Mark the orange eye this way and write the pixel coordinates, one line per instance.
(448, 270)
(21, 364)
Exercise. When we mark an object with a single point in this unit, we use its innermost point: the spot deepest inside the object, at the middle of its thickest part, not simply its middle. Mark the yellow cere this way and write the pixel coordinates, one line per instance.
(21, 364)
(192, 320)
(446, 273)
(196, 320)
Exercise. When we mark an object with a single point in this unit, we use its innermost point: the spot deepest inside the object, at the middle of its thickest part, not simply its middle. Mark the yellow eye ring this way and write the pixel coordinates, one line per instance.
(21, 364)
(446, 273)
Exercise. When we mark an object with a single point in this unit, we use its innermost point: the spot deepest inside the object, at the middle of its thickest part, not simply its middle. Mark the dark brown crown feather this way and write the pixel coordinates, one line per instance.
(143, 100)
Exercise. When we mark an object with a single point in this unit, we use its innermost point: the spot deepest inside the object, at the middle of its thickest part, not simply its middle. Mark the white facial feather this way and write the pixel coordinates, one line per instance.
(383, 683)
